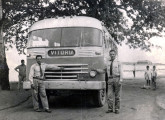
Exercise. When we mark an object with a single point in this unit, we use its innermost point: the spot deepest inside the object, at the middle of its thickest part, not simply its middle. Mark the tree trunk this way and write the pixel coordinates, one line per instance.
(4, 70)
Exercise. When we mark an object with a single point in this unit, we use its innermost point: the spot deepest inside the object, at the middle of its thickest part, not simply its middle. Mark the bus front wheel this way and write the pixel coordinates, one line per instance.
(99, 98)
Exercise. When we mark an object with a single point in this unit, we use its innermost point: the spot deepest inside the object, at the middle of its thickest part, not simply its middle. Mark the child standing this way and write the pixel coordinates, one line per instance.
(147, 76)
(154, 76)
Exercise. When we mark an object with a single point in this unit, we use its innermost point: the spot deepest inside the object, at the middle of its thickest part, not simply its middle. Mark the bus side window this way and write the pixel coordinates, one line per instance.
(115, 47)
(104, 39)
(104, 43)
(111, 44)
(108, 43)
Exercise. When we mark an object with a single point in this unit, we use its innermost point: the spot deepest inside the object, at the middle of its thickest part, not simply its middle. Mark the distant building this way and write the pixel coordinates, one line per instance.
(144, 62)
(128, 63)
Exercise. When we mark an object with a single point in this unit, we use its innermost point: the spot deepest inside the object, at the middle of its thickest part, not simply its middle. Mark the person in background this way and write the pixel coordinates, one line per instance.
(134, 71)
(21, 69)
(154, 77)
(36, 76)
(147, 76)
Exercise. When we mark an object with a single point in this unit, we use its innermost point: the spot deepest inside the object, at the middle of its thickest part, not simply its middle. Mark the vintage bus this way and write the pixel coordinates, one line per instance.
(81, 45)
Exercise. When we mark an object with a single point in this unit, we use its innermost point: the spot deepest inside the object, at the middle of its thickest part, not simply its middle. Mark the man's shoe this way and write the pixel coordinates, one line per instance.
(109, 111)
(38, 110)
(117, 111)
(48, 110)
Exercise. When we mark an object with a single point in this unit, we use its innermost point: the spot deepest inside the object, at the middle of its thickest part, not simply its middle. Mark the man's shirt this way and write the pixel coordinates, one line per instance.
(22, 70)
(35, 70)
(116, 68)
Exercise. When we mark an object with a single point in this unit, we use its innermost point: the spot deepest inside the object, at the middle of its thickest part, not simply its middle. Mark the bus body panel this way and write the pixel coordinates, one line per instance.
(79, 21)
(85, 63)
(75, 85)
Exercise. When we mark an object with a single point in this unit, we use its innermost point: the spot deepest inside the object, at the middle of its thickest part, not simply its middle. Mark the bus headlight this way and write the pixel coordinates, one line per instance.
(93, 73)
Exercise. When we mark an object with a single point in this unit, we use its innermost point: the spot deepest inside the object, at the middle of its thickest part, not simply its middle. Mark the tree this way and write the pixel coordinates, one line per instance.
(148, 21)
(4, 70)
(146, 16)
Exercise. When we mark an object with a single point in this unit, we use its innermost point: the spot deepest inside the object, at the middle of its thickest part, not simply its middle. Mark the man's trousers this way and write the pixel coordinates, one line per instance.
(39, 91)
(20, 82)
(113, 95)
(154, 82)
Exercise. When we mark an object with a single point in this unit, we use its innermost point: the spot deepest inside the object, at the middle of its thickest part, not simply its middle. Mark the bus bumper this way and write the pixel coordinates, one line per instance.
(75, 85)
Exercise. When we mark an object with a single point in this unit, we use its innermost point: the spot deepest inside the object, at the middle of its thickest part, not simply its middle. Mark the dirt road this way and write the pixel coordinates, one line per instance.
(136, 104)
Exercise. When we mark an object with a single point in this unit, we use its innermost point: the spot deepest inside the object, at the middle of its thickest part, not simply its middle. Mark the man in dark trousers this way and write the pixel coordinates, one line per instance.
(114, 83)
(154, 76)
(21, 69)
(36, 76)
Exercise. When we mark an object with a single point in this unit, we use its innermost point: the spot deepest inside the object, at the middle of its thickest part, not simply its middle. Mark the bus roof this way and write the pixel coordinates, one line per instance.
(74, 21)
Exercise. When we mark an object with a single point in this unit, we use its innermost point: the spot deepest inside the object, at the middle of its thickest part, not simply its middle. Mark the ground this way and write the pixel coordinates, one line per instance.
(136, 104)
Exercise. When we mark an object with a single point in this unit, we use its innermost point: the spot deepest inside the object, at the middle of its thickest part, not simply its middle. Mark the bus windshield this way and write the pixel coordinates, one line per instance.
(65, 37)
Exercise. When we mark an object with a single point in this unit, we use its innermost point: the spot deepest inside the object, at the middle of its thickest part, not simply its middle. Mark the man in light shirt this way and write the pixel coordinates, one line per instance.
(21, 69)
(114, 72)
(36, 76)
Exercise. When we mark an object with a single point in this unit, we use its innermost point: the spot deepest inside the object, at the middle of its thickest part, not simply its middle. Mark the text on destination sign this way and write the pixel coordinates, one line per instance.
(64, 52)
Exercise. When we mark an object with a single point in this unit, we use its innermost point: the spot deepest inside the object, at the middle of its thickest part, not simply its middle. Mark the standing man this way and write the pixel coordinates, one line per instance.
(154, 76)
(134, 70)
(114, 83)
(21, 69)
(36, 76)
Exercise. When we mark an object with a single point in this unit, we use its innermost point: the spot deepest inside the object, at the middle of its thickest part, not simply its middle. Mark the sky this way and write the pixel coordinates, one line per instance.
(133, 55)
(125, 55)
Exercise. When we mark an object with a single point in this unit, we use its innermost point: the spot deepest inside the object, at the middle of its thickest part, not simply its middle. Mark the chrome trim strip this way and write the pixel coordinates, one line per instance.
(75, 85)
(51, 80)
(67, 72)
(71, 76)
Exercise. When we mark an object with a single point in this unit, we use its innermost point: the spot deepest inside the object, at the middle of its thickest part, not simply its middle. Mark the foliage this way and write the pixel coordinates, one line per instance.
(135, 21)
(149, 21)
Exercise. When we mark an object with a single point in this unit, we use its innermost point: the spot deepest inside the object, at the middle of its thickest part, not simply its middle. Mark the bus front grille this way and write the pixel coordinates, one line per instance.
(70, 72)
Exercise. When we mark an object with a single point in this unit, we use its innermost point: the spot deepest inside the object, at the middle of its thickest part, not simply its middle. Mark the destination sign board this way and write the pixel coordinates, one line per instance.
(61, 52)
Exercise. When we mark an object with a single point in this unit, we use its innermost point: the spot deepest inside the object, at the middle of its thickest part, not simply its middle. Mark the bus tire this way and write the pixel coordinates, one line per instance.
(48, 95)
(99, 98)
